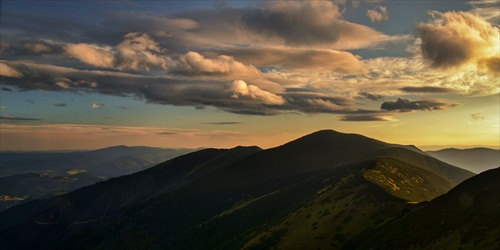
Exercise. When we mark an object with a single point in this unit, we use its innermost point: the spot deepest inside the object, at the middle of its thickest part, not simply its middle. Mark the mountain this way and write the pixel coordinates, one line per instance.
(474, 159)
(319, 191)
(29, 175)
(107, 162)
(467, 217)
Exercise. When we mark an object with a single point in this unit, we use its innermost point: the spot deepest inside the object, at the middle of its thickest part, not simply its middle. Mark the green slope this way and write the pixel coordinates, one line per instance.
(467, 217)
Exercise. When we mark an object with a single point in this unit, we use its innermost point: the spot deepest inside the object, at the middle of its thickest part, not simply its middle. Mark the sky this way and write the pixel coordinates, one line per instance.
(79, 75)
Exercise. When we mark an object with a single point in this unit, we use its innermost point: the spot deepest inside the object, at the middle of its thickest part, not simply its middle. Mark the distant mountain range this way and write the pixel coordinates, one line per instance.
(27, 175)
(326, 190)
(474, 159)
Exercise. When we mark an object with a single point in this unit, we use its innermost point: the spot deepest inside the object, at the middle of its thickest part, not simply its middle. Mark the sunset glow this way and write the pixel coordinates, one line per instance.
(86, 75)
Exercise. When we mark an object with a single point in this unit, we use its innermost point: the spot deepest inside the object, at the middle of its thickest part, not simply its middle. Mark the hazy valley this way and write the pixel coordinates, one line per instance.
(28, 175)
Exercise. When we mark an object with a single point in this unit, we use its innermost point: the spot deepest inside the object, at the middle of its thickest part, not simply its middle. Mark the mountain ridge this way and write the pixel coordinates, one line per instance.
(247, 193)
(474, 159)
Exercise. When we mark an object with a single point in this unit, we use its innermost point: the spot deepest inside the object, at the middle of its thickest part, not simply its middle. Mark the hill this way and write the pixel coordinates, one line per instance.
(319, 191)
(467, 217)
(474, 159)
(106, 162)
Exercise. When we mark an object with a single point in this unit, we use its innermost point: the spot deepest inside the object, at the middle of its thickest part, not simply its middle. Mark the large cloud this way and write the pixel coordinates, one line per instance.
(299, 59)
(457, 39)
(301, 23)
(137, 51)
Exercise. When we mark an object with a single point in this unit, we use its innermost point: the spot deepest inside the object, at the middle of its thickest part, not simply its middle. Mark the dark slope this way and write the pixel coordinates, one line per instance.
(231, 203)
(474, 159)
(319, 151)
(93, 205)
(467, 217)
(234, 218)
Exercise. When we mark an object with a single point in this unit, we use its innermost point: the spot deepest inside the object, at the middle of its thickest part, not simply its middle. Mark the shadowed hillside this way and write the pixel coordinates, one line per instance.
(319, 191)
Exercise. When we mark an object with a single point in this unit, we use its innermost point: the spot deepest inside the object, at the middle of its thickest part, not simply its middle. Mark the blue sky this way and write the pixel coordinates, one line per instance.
(90, 74)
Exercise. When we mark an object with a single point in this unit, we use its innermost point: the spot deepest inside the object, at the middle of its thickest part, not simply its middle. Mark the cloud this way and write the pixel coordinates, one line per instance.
(301, 59)
(122, 107)
(31, 101)
(62, 105)
(367, 118)
(28, 46)
(377, 14)
(97, 105)
(194, 63)
(240, 89)
(167, 133)
(6, 89)
(488, 9)
(301, 23)
(14, 118)
(3, 107)
(456, 39)
(407, 105)
(90, 54)
(7, 71)
(222, 123)
(427, 89)
(373, 97)
(137, 51)
(476, 116)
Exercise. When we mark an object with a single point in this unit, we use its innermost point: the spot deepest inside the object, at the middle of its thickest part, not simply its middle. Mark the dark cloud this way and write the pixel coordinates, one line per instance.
(23, 47)
(427, 89)
(6, 89)
(222, 123)
(31, 101)
(14, 118)
(373, 97)
(62, 105)
(167, 133)
(366, 118)
(407, 105)
(122, 107)
(241, 98)
(307, 23)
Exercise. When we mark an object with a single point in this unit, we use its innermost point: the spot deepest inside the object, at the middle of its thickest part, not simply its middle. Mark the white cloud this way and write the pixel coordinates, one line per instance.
(97, 105)
(194, 63)
(241, 89)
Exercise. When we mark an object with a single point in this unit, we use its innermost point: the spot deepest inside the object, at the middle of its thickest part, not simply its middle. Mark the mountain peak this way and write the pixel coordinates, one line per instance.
(334, 141)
